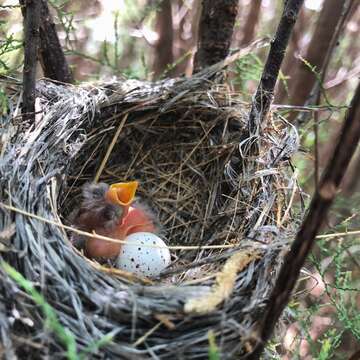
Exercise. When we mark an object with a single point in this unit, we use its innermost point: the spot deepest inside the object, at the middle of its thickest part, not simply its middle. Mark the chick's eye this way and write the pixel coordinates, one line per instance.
(108, 213)
(98, 193)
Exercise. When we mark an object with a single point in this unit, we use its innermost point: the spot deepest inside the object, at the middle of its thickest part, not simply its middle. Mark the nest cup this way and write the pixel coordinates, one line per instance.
(188, 145)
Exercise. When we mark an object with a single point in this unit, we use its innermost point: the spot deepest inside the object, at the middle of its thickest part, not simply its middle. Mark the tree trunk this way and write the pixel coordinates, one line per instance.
(304, 79)
(215, 31)
(251, 22)
(164, 45)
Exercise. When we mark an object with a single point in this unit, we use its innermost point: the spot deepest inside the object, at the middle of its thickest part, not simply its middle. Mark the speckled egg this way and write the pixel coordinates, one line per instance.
(135, 256)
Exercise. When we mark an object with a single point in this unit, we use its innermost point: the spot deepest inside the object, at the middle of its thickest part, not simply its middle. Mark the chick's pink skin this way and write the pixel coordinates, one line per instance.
(117, 221)
(135, 220)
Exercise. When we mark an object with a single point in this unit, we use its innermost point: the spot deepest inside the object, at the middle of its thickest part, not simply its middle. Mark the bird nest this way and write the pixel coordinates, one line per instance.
(224, 212)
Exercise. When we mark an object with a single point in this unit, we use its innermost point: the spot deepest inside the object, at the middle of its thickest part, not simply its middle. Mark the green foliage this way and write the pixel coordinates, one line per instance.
(247, 68)
(3, 102)
(213, 349)
(65, 336)
(66, 19)
(9, 49)
(284, 79)
(342, 290)
(315, 71)
(330, 342)
(52, 322)
(172, 66)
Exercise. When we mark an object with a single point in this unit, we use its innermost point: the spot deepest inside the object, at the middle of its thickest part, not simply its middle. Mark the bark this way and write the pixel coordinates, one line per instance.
(355, 356)
(281, 92)
(265, 91)
(251, 22)
(304, 79)
(52, 57)
(32, 40)
(318, 209)
(215, 31)
(351, 181)
(164, 45)
(347, 10)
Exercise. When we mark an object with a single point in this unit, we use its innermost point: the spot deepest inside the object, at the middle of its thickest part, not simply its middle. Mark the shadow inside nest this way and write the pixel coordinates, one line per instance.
(180, 159)
(179, 142)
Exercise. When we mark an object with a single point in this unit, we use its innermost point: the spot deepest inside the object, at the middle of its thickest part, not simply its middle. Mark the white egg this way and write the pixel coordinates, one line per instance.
(141, 259)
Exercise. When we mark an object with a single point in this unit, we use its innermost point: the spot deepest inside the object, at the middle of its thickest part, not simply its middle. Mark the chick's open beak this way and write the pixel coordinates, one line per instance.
(122, 193)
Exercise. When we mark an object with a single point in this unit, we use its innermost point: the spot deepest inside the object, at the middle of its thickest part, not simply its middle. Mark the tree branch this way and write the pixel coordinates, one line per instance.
(320, 204)
(31, 39)
(215, 31)
(303, 79)
(52, 57)
(347, 9)
(265, 91)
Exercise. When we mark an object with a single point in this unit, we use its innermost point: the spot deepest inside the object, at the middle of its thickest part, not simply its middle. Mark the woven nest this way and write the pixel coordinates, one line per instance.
(225, 212)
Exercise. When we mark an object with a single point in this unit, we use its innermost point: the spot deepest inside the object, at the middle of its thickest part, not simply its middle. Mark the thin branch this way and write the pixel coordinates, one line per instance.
(348, 9)
(319, 207)
(304, 77)
(31, 29)
(52, 57)
(265, 90)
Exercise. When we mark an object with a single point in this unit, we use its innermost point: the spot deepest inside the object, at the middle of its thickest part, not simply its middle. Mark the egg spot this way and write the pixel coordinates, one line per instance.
(132, 259)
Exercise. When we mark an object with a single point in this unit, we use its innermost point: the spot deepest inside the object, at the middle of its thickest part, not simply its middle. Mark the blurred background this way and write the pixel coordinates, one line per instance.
(149, 40)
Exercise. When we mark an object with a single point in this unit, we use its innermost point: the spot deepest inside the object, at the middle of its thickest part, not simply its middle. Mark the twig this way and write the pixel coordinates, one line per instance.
(147, 334)
(344, 17)
(305, 238)
(106, 238)
(110, 148)
(340, 234)
(290, 204)
(31, 29)
(265, 91)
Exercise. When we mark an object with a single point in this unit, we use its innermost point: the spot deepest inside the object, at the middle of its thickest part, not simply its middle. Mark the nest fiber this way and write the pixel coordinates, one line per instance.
(224, 211)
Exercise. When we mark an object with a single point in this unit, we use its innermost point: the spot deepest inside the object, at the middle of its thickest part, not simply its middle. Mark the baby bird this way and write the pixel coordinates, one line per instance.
(106, 210)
